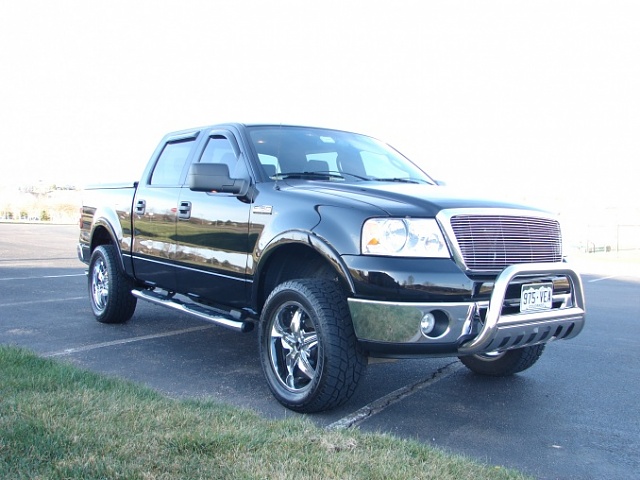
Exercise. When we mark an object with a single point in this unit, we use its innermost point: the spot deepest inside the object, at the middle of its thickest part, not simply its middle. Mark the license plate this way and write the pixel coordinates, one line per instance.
(536, 296)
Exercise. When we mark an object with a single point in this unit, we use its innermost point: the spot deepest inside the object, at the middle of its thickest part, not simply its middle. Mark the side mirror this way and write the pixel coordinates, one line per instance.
(214, 177)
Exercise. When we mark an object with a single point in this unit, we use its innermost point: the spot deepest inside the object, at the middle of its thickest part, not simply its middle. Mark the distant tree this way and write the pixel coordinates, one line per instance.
(67, 210)
(44, 216)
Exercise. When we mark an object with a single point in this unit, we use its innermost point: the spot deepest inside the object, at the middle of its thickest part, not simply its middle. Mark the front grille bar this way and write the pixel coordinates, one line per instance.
(489, 240)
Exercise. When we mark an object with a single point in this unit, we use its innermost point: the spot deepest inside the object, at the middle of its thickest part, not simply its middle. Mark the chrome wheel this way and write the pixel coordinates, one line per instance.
(293, 348)
(100, 284)
(109, 287)
(308, 349)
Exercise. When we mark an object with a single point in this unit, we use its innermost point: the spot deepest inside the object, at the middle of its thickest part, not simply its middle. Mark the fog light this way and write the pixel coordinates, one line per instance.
(428, 323)
(435, 324)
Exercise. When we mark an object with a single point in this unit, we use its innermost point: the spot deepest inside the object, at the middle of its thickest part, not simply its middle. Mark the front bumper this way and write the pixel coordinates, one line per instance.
(471, 327)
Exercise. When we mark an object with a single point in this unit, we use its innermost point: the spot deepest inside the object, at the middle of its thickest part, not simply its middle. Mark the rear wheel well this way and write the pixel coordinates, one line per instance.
(100, 236)
(291, 262)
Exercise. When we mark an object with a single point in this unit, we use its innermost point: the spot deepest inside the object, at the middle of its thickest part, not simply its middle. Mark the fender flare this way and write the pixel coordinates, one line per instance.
(310, 240)
(332, 256)
(107, 219)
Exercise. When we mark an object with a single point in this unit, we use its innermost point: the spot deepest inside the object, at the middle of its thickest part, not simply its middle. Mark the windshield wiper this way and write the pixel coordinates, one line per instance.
(317, 174)
(400, 179)
(280, 176)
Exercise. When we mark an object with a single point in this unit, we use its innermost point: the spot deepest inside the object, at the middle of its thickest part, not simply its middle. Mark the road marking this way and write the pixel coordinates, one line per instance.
(69, 351)
(377, 406)
(45, 276)
(601, 278)
(33, 302)
(619, 275)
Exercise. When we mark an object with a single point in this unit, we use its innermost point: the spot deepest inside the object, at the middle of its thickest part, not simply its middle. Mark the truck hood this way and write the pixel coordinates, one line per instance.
(406, 199)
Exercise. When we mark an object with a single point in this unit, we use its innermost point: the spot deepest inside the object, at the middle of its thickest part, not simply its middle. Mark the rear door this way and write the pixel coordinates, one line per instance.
(155, 213)
(212, 245)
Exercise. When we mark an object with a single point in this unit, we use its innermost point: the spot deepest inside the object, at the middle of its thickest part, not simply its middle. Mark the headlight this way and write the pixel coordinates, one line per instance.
(403, 237)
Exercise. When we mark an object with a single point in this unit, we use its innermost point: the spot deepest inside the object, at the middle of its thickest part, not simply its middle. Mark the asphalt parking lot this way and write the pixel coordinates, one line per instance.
(574, 415)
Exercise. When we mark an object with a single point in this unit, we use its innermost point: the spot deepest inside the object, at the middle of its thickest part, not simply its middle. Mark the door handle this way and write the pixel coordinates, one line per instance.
(141, 207)
(184, 211)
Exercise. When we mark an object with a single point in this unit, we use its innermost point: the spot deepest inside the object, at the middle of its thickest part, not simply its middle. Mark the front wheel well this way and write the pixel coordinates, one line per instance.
(292, 262)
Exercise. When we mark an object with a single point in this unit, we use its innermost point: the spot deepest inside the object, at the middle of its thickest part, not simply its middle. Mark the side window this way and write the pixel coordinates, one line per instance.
(219, 150)
(168, 168)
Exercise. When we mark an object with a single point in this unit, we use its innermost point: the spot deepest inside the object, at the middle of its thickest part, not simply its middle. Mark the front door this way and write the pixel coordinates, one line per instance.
(212, 246)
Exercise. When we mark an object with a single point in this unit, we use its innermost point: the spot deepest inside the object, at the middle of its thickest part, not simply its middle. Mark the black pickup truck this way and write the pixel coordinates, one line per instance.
(337, 248)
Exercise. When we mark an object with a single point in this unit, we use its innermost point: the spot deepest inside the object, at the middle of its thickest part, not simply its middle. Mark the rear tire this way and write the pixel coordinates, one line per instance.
(109, 287)
(503, 364)
(308, 349)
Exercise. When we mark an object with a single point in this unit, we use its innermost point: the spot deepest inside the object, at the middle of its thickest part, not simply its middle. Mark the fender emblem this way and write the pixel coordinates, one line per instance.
(262, 209)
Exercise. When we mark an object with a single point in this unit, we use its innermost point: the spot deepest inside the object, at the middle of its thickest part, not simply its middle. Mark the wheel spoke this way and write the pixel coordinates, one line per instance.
(305, 366)
(295, 322)
(291, 361)
(286, 339)
(309, 341)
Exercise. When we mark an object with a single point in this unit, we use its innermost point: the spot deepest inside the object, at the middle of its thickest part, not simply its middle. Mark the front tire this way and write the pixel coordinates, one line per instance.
(109, 287)
(503, 364)
(308, 349)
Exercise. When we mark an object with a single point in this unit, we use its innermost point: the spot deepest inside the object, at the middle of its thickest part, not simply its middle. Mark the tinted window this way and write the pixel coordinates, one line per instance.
(169, 166)
(286, 150)
(219, 150)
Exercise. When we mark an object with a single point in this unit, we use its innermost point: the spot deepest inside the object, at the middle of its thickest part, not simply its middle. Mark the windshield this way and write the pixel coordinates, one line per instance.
(287, 152)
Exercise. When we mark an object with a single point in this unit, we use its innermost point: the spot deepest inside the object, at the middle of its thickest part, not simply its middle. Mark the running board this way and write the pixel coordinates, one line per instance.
(203, 312)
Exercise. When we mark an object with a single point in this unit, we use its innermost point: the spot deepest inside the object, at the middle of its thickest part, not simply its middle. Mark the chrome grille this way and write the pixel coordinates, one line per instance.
(490, 243)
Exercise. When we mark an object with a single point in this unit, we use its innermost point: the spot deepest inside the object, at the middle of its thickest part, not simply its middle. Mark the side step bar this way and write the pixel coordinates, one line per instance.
(203, 312)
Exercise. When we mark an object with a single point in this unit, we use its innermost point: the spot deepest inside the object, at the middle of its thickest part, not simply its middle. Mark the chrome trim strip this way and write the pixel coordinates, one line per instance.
(215, 274)
(183, 267)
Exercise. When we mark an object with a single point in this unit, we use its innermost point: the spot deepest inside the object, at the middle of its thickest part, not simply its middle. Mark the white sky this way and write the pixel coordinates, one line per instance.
(541, 98)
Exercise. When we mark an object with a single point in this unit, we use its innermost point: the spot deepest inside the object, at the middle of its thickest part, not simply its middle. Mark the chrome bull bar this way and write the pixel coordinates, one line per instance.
(504, 332)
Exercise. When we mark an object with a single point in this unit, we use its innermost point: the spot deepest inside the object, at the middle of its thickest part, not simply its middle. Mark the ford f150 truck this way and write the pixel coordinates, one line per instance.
(337, 248)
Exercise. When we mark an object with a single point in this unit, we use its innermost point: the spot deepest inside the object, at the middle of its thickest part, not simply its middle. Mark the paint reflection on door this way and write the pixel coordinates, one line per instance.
(213, 234)
(155, 215)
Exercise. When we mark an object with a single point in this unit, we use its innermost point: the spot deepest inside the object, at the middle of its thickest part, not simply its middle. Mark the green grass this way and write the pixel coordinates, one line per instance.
(60, 422)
